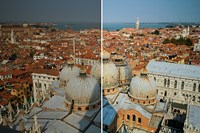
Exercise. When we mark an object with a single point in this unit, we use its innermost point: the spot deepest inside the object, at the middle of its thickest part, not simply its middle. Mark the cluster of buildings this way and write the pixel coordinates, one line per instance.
(163, 97)
(36, 68)
(143, 45)
(50, 80)
(149, 85)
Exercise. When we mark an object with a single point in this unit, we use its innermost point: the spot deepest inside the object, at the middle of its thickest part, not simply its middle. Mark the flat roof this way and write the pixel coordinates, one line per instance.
(193, 116)
(172, 69)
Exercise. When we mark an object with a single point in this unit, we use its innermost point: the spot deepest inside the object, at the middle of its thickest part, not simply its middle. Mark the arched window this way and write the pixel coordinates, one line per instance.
(168, 83)
(165, 82)
(199, 88)
(79, 108)
(175, 84)
(134, 117)
(165, 93)
(194, 98)
(128, 117)
(194, 87)
(155, 78)
(139, 120)
(182, 85)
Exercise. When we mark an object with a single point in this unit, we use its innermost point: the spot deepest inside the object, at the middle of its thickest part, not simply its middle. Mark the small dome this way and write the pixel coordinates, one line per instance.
(25, 25)
(118, 60)
(119, 57)
(96, 71)
(82, 72)
(70, 62)
(125, 73)
(69, 71)
(106, 55)
(84, 90)
(110, 75)
(142, 87)
(144, 71)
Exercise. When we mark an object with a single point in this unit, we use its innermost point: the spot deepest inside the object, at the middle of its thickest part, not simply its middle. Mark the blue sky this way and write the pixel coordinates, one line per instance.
(50, 10)
(151, 10)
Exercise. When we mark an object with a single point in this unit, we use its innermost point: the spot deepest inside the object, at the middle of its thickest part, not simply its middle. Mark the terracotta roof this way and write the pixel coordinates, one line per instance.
(53, 72)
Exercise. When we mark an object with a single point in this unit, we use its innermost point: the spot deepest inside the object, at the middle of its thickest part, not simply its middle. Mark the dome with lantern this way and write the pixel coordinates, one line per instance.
(69, 71)
(83, 92)
(110, 74)
(96, 71)
(125, 72)
(143, 89)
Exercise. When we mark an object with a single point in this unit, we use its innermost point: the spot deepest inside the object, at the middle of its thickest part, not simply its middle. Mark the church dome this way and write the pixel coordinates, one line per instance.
(83, 91)
(110, 75)
(96, 71)
(69, 71)
(125, 73)
(106, 55)
(143, 88)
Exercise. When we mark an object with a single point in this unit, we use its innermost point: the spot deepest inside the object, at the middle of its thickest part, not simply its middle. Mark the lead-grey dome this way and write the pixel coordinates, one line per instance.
(143, 87)
(110, 75)
(69, 71)
(110, 72)
(125, 73)
(96, 71)
(83, 89)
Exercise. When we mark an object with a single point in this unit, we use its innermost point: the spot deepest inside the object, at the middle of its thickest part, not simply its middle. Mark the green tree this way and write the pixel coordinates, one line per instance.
(188, 42)
(166, 41)
(156, 32)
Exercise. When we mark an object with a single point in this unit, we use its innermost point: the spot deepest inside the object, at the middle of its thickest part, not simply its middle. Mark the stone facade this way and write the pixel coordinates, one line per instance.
(178, 89)
(197, 46)
(41, 83)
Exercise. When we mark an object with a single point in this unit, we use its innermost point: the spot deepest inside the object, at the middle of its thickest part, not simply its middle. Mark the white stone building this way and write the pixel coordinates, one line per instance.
(39, 56)
(41, 83)
(197, 46)
(85, 61)
(177, 82)
(5, 75)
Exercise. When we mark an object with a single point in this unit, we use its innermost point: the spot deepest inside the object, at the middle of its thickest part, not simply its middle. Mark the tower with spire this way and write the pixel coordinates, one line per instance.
(26, 105)
(137, 23)
(11, 113)
(36, 127)
(188, 31)
(13, 41)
